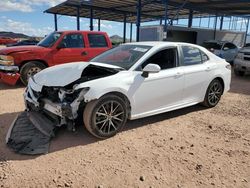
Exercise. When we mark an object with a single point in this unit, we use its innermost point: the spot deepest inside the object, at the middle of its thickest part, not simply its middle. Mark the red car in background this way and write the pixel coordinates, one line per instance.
(7, 40)
(22, 62)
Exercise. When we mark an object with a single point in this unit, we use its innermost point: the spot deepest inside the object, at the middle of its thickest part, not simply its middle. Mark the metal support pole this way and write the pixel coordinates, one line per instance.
(55, 20)
(221, 22)
(78, 18)
(215, 26)
(165, 21)
(190, 18)
(124, 28)
(138, 20)
(161, 21)
(91, 25)
(131, 31)
(99, 24)
(246, 32)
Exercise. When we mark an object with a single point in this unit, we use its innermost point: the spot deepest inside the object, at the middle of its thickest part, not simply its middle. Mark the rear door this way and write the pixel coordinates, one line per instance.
(196, 68)
(72, 49)
(96, 44)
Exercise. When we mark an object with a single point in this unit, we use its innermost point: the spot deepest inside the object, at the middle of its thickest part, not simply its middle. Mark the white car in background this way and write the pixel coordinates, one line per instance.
(242, 61)
(131, 81)
(223, 49)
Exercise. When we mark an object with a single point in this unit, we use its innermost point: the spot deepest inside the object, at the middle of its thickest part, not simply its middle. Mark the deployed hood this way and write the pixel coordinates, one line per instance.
(65, 74)
(15, 49)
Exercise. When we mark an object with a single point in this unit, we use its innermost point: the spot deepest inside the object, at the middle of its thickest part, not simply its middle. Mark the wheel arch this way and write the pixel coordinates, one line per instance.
(221, 81)
(32, 60)
(117, 93)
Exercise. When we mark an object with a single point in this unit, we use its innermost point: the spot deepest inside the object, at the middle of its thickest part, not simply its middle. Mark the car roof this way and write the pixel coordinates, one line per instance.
(160, 43)
(81, 31)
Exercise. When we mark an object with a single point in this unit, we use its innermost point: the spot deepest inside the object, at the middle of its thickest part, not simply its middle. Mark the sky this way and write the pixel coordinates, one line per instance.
(27, 17)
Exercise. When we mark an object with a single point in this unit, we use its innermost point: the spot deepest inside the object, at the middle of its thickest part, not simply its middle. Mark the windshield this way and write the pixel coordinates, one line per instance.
(214, 45)
(50, 40)
(124, 56)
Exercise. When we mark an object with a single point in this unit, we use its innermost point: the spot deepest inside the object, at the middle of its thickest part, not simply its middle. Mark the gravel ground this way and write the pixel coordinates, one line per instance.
(192, 147)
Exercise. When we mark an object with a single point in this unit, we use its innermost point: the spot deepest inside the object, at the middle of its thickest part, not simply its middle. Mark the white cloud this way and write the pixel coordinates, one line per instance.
(25, 5)
(46, 2)
(13, 5)
(104, 24)
(23, 27)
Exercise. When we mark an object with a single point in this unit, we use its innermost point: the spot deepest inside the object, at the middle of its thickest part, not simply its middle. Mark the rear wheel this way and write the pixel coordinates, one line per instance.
(30, 69)
(213, 94)
(106, 116)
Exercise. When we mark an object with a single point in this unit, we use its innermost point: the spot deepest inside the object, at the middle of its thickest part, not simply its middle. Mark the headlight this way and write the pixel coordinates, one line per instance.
(6, 60)
(240, 56)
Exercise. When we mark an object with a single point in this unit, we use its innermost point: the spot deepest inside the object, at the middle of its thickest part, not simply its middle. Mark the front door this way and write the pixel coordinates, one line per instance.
(159, 91)
(72, 49)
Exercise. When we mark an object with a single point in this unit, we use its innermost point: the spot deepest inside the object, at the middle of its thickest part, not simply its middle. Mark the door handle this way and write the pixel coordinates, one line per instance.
(178, 74)
(84, 53)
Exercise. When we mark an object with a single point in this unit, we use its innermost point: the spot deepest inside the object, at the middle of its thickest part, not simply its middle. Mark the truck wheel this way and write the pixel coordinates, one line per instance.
(239, 73)
(30, 69)
(106, 116)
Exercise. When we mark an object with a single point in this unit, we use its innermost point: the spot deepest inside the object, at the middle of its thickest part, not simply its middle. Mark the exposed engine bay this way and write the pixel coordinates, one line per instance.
(48, 108)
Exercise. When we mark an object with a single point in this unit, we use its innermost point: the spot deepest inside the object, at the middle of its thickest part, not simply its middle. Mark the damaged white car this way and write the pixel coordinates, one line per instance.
(128, 82)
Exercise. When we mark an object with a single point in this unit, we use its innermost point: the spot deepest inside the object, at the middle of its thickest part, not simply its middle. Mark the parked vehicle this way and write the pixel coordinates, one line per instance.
(24, 43)
(131, 81)
(225, 50)
(7, 40)
(57, 48)
(242, 61)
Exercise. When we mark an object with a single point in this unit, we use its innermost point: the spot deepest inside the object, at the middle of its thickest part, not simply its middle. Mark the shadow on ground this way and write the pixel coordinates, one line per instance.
(4, 86)
(65, 139)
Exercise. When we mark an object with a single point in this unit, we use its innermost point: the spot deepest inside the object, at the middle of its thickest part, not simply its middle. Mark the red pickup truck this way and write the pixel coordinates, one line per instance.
(22, 62)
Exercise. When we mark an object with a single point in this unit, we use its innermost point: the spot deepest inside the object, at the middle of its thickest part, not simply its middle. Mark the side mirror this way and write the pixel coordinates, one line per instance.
(150, 68)
(61, 45)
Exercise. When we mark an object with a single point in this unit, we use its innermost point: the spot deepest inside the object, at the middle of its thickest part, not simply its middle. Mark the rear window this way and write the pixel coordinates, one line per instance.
(214, 45)
(97, 41)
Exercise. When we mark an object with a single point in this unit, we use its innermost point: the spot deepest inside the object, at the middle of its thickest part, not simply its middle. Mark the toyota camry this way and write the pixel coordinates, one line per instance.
(131, 81)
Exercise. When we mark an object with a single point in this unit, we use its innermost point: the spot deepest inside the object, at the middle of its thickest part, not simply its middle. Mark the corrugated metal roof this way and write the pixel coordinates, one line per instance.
(114, 10)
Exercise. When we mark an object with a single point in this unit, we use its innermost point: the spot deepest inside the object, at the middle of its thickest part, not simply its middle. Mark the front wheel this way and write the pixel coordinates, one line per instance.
(30, 69)
(106, 116)
(213, 94)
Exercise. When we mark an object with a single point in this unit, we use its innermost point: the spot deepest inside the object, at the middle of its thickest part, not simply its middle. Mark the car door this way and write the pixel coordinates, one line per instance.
(229, 52)
(159, 91)
(71, 49)
(196, 69)
(96, 44)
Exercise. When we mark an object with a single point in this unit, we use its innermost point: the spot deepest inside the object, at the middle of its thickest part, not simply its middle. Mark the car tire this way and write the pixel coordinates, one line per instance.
(29, 69)
(106, 116)
(213, 94)
(239, 73)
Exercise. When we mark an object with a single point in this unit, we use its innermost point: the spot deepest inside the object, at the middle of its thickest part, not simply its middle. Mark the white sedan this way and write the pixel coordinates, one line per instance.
(131, 81)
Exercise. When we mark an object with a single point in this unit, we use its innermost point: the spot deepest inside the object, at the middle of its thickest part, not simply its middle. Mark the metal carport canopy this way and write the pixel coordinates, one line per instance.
(114, 10)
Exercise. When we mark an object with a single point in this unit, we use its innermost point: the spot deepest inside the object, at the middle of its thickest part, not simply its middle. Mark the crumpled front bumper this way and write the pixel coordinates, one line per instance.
(9, 78)
(9, 74)
(30, 133)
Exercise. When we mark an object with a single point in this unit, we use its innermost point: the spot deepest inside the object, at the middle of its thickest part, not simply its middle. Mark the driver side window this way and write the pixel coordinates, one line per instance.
(166, 59)
(73, 41)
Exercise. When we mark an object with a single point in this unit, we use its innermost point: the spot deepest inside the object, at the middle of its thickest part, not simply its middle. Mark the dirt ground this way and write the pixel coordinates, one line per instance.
(192, 147)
